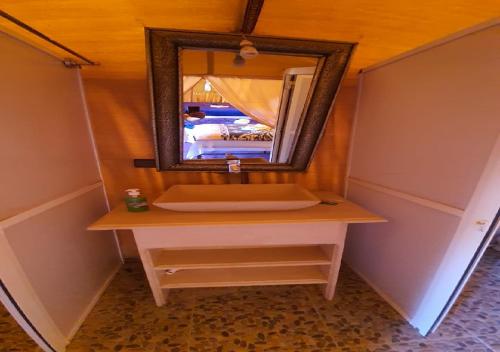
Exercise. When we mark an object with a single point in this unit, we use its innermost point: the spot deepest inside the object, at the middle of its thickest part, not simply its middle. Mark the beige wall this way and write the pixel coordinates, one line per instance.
(119, 110)
(46, 154)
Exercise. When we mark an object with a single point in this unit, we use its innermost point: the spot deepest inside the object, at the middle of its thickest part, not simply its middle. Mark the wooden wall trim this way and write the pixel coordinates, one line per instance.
(350, 150)
(409, 197)
(96, 154)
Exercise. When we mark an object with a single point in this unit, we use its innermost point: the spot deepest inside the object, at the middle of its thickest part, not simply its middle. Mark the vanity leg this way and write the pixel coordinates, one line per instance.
(336, 260)
(152, 275)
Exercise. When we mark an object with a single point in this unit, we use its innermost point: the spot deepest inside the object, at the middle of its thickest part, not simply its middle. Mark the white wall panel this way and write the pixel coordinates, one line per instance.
(427, 123)
(425, 134)
(45, 148)
(399, 257)
(49, 193)
(65, 263)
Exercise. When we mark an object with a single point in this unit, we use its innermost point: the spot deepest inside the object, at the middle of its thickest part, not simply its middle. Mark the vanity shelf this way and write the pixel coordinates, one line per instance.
(217, 249)
(238, 257)
(244, 277)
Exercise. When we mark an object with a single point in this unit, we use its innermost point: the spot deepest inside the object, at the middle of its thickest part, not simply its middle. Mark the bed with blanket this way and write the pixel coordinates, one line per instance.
(225, 130)
(211, 109)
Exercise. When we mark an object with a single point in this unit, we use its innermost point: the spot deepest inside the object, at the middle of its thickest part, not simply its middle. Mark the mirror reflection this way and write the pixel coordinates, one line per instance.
(245, 106)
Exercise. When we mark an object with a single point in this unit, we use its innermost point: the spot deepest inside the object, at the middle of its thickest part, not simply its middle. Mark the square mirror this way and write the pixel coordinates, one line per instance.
(246, 109)
(218, 97)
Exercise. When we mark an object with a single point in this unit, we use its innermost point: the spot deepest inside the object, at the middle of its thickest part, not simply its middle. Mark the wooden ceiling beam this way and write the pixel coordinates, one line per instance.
(210, 62)
(251, 16)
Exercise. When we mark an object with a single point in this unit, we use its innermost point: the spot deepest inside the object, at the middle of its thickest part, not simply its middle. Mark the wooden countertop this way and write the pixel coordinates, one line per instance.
(344, 211)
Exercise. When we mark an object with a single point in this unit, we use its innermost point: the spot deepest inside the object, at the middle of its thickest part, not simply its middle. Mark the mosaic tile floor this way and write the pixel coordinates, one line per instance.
(12, 336)
(279, 318)
(477, 310)
(283, 318)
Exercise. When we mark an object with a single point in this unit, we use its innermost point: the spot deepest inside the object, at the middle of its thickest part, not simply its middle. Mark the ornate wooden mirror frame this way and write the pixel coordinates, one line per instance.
(165, 72)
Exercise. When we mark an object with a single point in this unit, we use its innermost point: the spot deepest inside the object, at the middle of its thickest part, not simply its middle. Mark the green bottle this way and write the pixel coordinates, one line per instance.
(135, 201)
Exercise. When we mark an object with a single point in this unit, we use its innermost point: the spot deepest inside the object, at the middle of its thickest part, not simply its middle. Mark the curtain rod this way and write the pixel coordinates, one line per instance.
(67, 62)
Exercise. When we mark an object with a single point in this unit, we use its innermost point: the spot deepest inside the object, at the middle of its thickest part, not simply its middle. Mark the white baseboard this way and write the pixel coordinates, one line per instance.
(381, 293)
(92, 303)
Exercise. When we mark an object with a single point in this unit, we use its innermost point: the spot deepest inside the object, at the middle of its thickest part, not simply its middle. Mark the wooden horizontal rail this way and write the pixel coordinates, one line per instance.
(409, 197)
(239, 257)
(244, 277)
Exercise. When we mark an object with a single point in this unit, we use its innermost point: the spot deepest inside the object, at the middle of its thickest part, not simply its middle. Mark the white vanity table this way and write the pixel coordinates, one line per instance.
(181, 250)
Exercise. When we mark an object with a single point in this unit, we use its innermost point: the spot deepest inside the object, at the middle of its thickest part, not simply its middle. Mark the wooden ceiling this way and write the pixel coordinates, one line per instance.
(195, 62)
(111, 31)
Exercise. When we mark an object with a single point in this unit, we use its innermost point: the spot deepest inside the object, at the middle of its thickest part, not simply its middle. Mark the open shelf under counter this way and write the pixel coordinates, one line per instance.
(238, 257)
(244, 277)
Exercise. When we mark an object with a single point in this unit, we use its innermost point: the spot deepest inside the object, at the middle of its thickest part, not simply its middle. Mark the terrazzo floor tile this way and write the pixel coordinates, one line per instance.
(493, 341)
(12, 337)
(283, 318)
(449, 330)
(463, 344)
(279, 318)
(127, 319)
(478, 308)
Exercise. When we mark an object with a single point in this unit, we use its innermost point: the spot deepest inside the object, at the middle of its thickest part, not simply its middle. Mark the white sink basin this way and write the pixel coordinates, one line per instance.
(247, 197)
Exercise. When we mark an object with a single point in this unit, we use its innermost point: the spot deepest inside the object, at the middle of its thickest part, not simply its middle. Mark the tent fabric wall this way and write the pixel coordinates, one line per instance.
(258, 98)
(188, 82)
(198, 94)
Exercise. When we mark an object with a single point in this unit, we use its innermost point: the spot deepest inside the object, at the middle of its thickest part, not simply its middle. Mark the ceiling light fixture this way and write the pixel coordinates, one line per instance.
(207, 87)
(248, 50)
